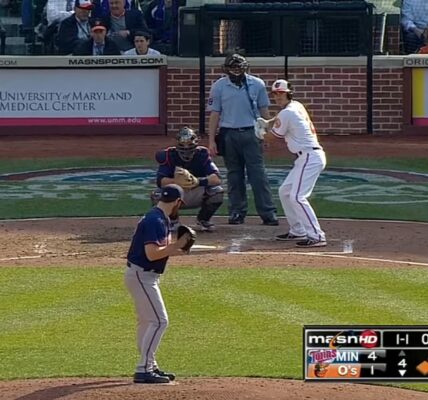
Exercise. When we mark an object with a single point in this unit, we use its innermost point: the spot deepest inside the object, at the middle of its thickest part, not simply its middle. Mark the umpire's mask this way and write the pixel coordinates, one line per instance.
(187, 141)
(235, 66)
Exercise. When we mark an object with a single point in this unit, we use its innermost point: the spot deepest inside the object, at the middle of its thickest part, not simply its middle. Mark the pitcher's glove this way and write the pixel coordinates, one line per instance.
(183, 178)
(183, 230)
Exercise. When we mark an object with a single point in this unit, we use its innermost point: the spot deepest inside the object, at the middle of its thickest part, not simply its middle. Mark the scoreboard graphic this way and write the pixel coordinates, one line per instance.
(365, 353)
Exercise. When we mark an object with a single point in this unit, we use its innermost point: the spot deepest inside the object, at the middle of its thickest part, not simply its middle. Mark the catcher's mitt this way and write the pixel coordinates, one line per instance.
(182, 230)
(185, 179)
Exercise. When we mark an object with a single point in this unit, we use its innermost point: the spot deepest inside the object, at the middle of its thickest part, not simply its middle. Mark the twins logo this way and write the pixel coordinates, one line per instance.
(322, 356)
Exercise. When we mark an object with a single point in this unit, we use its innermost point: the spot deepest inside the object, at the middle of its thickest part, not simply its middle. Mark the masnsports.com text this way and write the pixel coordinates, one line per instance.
(117, 61)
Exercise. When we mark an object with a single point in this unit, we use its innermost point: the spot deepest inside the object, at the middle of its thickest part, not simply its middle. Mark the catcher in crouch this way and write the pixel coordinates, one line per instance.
(190, 166)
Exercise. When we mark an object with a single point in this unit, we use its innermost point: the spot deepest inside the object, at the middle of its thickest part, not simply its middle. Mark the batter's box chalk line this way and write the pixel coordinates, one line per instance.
(44, 255)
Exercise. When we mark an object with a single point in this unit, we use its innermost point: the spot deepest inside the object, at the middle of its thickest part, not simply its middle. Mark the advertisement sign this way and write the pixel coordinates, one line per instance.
(420, 96)
(77, 93)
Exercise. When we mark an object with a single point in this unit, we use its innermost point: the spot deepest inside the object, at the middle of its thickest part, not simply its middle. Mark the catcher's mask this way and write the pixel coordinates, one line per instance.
(187, 141)
(283, 86)
(235, 66)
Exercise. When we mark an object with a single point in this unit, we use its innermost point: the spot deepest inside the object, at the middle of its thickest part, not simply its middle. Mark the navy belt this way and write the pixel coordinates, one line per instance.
(245, 128)
(129, 265)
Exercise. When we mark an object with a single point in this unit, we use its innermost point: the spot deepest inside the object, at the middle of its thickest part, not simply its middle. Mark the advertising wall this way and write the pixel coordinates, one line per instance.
(415, 99)
(420, 96)
(82, 96)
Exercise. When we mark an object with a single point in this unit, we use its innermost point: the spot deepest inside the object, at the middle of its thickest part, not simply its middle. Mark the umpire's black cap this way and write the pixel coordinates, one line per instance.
(172, 192)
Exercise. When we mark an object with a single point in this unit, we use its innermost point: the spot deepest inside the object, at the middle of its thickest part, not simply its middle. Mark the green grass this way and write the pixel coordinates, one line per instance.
(24, 165)
(51, 199)
(80, 322)
(419, 165)
(26, 199)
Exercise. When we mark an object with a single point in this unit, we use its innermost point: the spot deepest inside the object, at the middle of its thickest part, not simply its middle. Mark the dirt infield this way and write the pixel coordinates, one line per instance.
(13, 147)
(198, 389)
(104, 242)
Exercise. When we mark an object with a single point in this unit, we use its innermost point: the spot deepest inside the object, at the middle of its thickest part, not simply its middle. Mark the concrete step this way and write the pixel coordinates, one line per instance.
(11, 25)
(12, 30)
(11, 20)
(16, 46)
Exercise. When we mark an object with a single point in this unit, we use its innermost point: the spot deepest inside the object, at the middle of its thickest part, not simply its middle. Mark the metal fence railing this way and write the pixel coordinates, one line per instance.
(2, 41)
(299, 29)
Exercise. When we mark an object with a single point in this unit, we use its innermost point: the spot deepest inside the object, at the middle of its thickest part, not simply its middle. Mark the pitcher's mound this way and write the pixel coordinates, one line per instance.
(198, 389)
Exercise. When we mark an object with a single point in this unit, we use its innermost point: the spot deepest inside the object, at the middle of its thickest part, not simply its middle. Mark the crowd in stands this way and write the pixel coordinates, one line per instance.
(414, 23)
(108, 27)
(70, 25)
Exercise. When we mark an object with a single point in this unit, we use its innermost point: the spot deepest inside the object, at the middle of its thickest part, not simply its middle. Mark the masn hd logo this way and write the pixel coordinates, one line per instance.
(335, 339)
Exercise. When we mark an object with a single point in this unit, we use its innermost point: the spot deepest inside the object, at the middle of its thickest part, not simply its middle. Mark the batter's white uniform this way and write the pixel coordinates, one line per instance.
(294, 125)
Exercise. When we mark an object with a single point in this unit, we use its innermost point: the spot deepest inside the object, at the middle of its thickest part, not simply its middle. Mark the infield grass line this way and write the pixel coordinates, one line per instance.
(328, 255)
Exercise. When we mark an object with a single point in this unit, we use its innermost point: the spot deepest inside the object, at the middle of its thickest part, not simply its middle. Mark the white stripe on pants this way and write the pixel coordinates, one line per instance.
(296, 189)
(152, 317)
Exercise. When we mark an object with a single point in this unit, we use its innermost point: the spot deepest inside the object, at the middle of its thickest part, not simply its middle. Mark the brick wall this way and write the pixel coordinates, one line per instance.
(393, 40)
(388, 100)
(335, 96)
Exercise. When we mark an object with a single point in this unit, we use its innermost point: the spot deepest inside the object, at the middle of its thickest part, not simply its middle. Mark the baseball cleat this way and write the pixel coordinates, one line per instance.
(287, 237)
(311, 243)
(236, 219)
(169, 375)
(205, 226)
(150, 377)
(271, 222)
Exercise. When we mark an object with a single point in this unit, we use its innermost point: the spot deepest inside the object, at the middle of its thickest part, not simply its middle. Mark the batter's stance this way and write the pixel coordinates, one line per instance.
(147, 257)
(294, 125)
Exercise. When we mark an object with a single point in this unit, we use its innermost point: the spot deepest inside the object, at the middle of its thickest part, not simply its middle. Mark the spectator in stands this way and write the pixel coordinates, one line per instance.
(75, 28)
(424, 49)
(122, 24)
(162, 17)
(142, 43)
(414, 22)
(58, 10)
(102, 7)
(99, 44)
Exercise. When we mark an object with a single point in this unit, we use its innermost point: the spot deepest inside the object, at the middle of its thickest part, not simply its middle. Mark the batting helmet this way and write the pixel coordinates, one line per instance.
(187, 141)
(282, 86)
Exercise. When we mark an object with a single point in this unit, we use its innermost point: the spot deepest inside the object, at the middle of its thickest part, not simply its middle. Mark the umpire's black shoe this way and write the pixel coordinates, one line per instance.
(150, 377)
(271, 222)
(236, 219)
(169, 375)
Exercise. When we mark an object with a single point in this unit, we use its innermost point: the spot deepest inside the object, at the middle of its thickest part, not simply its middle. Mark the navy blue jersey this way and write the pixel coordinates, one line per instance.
(154, 227)
(201, 165)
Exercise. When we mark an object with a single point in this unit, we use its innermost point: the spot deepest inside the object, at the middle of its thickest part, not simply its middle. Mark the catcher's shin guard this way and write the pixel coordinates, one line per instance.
(207, 210)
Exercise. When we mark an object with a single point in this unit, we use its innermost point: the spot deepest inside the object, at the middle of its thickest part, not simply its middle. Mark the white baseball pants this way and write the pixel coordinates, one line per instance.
(152, 317)
(295, 191)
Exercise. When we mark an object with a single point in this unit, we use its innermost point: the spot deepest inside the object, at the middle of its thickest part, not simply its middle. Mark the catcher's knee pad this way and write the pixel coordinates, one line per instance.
(214, 190)
(216, 199)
